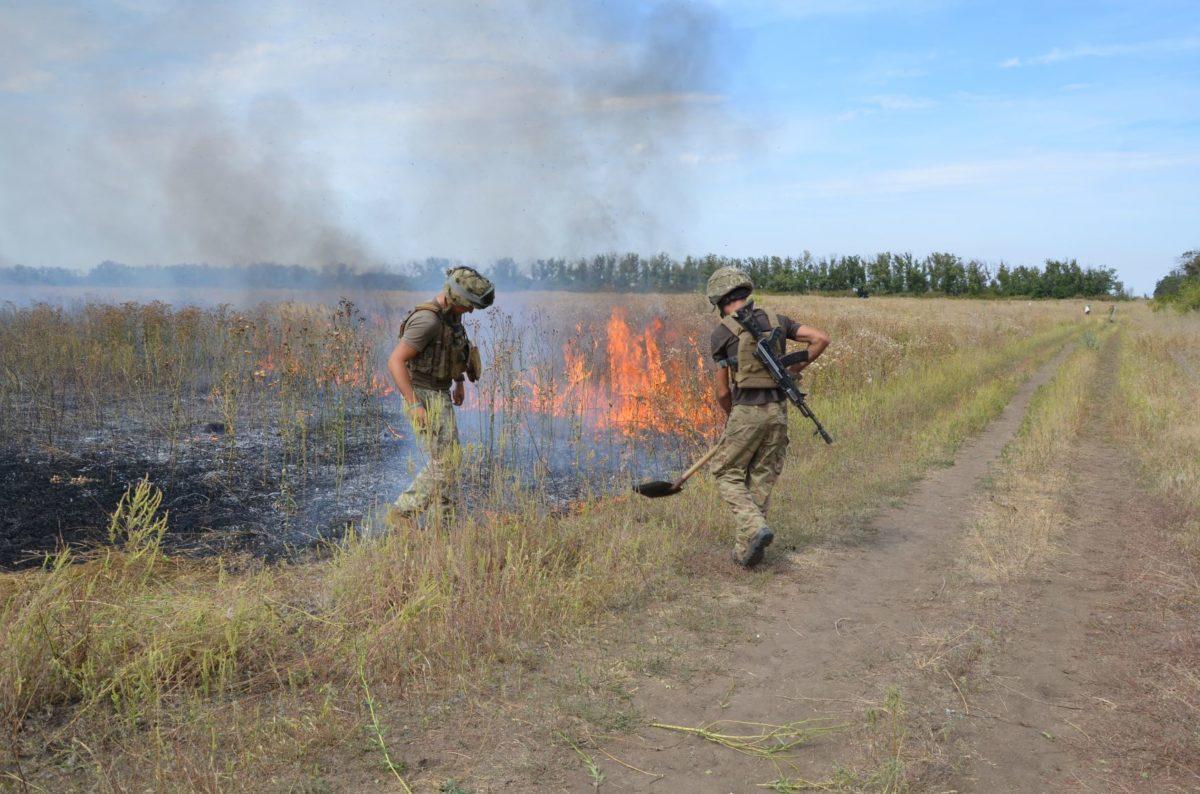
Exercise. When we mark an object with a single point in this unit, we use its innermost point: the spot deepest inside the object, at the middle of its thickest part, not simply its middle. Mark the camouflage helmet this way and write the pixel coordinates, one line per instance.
(468, 288)
(725, 280)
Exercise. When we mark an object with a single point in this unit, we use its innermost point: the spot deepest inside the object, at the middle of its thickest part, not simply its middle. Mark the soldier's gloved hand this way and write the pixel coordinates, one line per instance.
(458, 393)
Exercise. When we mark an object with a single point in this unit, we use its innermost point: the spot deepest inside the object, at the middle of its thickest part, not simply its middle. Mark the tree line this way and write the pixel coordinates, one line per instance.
(1180, 289)
(260, 275)
(882, 274)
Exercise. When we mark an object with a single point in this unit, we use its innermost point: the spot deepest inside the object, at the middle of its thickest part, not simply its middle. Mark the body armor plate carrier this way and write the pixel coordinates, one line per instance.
(450, 354)
(750, 373)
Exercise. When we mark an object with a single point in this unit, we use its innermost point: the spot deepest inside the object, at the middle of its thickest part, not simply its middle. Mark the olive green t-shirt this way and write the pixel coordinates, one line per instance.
(724, 344)
(422, 328)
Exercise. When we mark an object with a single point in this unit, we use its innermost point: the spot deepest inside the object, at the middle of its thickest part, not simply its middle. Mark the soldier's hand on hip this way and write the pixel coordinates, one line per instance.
(459, 393)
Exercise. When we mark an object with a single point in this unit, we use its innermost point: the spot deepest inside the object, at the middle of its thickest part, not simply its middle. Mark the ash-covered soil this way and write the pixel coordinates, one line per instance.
(253, 493)
(220, 495)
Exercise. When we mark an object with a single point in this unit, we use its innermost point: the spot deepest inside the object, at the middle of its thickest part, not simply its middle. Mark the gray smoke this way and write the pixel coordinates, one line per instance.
(249, 195)
(380, 132)
(570, 142)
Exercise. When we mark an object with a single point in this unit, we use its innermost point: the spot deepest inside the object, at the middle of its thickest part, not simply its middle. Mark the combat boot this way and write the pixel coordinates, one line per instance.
(755, 549)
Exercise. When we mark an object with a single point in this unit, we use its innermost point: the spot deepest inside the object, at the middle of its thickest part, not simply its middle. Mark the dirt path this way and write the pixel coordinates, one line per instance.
(1022, 693)
(1073, 699)
(827, 640)
(1058, 690)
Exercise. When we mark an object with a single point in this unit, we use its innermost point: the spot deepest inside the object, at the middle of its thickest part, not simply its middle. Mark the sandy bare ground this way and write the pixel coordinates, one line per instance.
(1052, 682)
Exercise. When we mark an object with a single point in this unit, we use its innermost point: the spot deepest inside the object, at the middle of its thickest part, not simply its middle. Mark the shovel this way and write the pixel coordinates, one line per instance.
(656, 488)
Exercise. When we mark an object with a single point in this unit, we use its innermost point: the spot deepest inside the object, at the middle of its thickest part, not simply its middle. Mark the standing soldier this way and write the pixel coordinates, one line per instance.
(433, 353)
(754, 445)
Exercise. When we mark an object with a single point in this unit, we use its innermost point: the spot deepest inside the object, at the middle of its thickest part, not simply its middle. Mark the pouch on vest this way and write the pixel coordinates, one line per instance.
(474, 365)
(448, 355)
(458, 350)
(750, 373)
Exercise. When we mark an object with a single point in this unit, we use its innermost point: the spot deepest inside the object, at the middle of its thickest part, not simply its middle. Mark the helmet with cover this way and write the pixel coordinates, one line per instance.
(725, 280)
(467, 288)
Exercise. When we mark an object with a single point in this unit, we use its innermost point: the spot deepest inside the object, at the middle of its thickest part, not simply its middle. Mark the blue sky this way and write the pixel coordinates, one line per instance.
(149, 131)
(1007, 130)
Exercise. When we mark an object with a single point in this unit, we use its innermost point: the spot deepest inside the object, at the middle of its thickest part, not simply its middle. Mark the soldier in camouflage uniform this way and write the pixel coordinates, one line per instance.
(754, 446)
(433, 353)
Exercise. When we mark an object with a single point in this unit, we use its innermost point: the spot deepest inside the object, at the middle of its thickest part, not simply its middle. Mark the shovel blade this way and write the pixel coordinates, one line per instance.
(656, 488)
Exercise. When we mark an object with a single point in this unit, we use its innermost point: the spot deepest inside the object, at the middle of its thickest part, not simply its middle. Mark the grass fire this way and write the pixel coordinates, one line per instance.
(275, 428)
(219, 474)
(665, 396)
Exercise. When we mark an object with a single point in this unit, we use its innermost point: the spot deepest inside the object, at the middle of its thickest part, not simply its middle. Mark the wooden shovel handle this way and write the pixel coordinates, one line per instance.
(696, 466)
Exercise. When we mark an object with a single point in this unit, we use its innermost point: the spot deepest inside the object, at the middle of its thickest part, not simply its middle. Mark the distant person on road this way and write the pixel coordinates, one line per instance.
(754, 446)
(429, 364)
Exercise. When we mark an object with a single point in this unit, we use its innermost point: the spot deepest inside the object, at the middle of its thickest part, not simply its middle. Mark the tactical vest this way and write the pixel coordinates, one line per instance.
(450, 354)
(750, 373)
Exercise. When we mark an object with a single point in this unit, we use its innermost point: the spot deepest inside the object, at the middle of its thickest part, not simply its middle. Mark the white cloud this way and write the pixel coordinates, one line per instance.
(1058, 54)
(759, 9)
(268, 65)
(25, 81)
(900, 102)
(35, 42)
(886, 102)
(1040, 170)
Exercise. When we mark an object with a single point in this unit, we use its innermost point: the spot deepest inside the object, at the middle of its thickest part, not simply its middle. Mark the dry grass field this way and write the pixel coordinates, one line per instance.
(518, 642)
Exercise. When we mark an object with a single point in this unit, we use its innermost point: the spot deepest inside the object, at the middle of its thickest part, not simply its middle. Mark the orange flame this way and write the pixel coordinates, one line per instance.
(635, 383)
(641, 391)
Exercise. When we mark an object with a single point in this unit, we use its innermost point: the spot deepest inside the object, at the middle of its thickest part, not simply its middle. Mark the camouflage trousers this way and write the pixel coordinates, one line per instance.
(748, 462)
(435, 482)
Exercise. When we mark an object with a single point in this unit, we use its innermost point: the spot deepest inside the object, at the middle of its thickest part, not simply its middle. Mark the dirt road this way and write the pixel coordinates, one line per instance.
(1048, 683)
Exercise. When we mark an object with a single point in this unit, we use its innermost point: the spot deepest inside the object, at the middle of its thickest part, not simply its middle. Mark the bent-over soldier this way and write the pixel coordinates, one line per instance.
(754, 445)
(429, 364)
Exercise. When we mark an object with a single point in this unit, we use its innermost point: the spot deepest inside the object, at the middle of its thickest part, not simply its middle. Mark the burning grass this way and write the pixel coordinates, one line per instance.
(170, 668)
(276, 427)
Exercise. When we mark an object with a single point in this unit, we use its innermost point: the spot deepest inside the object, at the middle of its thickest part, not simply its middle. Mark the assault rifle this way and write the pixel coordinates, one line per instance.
(765, 346)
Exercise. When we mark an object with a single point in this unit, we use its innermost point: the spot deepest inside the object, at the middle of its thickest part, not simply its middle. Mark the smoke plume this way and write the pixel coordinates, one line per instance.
(362, 135)
(577, 137)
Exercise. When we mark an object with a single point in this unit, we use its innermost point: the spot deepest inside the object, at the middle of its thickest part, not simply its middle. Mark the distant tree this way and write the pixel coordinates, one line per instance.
(509, 275)
(109, 273)
(946, 273)
(1180, 288)
(1189, 264)
(23, 275)
(879, 273)
(977, 277)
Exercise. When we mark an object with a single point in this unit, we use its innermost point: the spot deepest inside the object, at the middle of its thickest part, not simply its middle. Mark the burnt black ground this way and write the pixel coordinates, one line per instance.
(216, 501)
(229, 495)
